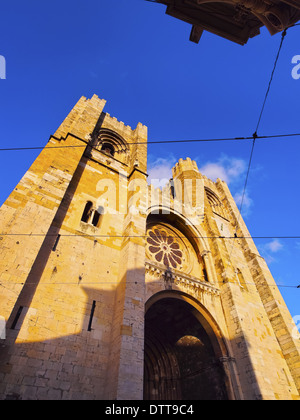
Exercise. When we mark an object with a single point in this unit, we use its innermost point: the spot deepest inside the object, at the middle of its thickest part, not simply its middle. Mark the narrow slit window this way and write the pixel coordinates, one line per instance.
(17, 317)
(92, 316)
(205, 275)
(96, 219)
(87, 212)
(56, 243)
(172, 190)
(241, 280)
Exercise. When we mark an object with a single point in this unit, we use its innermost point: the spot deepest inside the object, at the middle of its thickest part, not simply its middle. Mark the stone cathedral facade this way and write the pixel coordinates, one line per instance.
(112, 289)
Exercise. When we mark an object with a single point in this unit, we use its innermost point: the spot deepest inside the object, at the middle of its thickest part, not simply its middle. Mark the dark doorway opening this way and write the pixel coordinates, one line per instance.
(180, 362)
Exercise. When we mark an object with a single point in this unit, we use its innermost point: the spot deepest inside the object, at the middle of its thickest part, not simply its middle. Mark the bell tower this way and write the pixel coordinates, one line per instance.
(73, 259)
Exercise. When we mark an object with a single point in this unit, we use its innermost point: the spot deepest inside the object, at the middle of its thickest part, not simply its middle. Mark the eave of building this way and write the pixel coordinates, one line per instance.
(235, 20)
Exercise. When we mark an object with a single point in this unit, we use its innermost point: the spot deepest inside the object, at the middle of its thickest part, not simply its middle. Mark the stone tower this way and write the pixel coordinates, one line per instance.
(112, 289)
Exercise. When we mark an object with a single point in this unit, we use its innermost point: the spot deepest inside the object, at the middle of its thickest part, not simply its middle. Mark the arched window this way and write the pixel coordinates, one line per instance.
(215, 203)
(113, 144)
(87, 212)
(108, 148)
(91, 215)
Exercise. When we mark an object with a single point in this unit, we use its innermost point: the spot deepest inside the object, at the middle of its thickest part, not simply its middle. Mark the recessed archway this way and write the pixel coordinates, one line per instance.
(182, 360)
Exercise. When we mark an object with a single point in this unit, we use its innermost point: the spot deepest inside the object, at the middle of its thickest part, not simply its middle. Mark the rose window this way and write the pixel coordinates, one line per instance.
(164, 248)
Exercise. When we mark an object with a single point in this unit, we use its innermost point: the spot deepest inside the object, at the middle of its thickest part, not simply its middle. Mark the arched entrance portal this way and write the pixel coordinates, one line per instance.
(180, 361)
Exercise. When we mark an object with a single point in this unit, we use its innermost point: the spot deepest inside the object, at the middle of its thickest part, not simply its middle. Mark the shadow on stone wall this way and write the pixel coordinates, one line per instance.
(180, 362)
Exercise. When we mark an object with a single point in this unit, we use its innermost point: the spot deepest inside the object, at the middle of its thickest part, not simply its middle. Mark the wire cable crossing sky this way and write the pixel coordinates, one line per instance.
(203, 101)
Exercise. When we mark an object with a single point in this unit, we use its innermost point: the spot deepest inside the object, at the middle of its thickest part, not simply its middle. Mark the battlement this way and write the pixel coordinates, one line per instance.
(185, 165)
(96, 101)
(125, 130)
(76, 122)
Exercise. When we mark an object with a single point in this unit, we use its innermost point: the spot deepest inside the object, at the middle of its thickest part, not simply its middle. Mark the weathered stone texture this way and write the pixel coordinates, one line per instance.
(74, 289)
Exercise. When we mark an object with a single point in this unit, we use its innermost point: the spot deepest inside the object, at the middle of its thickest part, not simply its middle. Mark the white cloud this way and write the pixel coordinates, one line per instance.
(229, 169)
(236, 169)
(246, 203)
(226, 168)
(274, 246)
(214, 171)
(160, 171)
(233, 172)
(269, 249)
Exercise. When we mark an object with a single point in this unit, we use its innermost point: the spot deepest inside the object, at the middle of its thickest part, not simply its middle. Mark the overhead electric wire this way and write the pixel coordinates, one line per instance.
(271, 80)
(241, 138)
(82, 283)
(43, 235)
(255, 137)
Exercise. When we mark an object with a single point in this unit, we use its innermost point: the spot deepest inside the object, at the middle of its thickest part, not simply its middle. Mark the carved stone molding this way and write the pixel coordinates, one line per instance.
(179, 279)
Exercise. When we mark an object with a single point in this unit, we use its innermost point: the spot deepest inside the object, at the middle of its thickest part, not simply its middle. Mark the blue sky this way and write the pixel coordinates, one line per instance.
(141, 61)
